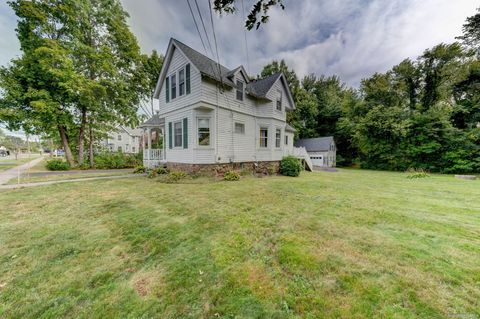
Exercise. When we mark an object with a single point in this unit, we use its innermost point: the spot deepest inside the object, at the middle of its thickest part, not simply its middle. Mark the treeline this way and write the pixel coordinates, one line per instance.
(423, 113)
(79, 75)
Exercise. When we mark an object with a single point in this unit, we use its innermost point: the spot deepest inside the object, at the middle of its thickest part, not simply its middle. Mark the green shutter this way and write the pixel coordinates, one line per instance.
(170, 138)
(167, 89)
(187, 77)
(185, 133)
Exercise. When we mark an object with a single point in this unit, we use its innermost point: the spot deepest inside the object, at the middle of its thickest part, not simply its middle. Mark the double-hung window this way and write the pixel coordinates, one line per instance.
(239, 90)
(177, 134)
(263, 137)
(286, 139)
(279, 100)
(203, 126)
(239, 128)
(181, 82)
(173, 83)
(278, 137)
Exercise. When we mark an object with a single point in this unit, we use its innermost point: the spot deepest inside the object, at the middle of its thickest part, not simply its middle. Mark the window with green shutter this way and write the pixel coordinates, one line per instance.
(187, 78)
(185, 133)
(167, 89)
(170, 144)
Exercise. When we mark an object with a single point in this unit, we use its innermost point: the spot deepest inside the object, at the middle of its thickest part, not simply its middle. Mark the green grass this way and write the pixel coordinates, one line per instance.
(352, 244)
(11, 162)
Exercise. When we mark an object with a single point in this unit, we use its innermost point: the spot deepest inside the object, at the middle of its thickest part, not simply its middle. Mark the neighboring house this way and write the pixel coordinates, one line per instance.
(213, 115)
(322, 150)
(124, 139)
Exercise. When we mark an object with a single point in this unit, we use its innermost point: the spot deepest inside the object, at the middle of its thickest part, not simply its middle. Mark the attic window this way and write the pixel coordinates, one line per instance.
(239, 90)
(181, 82)
(173, 80)
(279, 100)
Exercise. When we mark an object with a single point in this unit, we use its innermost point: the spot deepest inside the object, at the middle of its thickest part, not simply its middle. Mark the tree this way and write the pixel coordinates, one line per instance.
(471, 32)
(258, 13)
(78, 66)
(290, 75)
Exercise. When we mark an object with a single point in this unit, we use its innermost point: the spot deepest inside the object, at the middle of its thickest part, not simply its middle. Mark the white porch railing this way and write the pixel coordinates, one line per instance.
(152, 157)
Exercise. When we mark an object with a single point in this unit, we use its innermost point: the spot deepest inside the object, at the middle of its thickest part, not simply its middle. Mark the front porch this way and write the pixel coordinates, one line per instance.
(153, 142)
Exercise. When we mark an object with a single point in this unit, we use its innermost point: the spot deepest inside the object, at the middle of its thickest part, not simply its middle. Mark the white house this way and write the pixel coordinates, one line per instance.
(124, 139)
(209, 114)
(322, 150)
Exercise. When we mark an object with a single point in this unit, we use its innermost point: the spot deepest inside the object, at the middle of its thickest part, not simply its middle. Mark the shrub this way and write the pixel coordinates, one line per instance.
(57, 165)
(161, 170)
(152, 173)
(175, 176)
(116, 160)
(416, 173)
(139, 169)
(231, 176)
(290, 166)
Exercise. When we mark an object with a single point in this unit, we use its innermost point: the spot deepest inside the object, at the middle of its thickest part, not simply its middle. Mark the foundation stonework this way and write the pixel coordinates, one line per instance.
(263, 168)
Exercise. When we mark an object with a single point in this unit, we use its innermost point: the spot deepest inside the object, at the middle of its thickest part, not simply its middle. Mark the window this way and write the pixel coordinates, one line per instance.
(239, 128)
(203, 132)
(279, 100)
(181, 82)
(263, 137)
(239, 90)
(278, 136)
(286, 139)
(173, 80)
(133, 149)
(119, 137)
(119, 149)
(177, 134)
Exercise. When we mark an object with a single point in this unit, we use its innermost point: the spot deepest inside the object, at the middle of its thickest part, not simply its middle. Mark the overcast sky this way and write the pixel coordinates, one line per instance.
(350, 38)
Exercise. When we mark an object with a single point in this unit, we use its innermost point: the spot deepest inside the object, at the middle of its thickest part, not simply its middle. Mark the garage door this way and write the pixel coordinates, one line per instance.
(317, 160)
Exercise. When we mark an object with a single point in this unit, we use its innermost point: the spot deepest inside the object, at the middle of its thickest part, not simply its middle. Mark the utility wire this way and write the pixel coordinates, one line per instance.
(196, 26)
(245, 36)
(204, 28)
(215, 41)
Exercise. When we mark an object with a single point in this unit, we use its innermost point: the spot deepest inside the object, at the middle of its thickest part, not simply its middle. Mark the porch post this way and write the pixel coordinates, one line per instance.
(149, 130)
(143, 144)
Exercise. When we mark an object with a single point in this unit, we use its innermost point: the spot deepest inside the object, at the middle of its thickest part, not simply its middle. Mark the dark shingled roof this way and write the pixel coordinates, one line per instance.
(261, 87)
(317, 144)
(204, 64)
(154, 121)
(208, 67)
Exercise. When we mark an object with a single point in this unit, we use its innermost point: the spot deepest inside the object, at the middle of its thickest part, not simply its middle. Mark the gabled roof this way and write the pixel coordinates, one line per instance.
(317, 144)
(211, 69)
(154, 121)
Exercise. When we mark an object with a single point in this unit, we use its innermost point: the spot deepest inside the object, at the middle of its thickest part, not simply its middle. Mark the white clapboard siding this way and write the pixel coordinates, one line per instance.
(178, 62)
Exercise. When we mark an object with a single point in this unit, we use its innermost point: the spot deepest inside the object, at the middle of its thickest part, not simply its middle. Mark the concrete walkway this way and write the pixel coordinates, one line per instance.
(13, 186)
(13, 172)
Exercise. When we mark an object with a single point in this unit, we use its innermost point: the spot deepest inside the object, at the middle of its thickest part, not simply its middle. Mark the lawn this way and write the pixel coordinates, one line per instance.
(352, 244)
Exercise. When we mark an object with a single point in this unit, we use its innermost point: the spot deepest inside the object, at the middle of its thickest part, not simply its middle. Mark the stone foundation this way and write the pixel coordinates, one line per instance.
(261, 168)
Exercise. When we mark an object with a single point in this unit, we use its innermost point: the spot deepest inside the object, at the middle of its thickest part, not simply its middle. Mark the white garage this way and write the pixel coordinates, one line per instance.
(322, 150)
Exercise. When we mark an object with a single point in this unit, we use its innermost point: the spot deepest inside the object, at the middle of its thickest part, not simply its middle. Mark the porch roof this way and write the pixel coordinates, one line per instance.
(154, 121)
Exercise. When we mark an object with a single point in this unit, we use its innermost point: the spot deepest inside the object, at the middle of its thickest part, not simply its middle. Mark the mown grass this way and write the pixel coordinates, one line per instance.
(352, 244)
(26, 178)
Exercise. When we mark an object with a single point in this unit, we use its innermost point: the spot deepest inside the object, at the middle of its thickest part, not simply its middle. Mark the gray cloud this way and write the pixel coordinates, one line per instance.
(350, 38)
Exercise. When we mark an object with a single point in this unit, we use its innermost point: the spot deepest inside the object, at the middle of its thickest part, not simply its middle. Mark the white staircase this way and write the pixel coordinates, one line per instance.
(301, 152)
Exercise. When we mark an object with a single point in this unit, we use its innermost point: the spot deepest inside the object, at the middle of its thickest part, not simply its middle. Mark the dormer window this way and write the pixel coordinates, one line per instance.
(279, 100)
(239, 90)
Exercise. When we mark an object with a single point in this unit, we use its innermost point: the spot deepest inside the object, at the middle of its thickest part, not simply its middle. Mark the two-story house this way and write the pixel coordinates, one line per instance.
(123, 139)
(210, 114)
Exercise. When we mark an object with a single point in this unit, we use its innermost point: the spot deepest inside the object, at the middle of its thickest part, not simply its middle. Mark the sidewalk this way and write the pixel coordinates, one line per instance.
(13, 172)
(14, 186)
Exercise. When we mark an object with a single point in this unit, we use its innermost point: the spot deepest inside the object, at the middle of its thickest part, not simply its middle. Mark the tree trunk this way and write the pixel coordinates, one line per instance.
(81, 136)
(90, 147)
(66, 147)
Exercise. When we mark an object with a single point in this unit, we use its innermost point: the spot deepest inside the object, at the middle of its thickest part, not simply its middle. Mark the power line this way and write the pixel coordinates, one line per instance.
(245, 36)
(203, 24)
(196, 26)
(215, 40)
